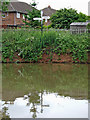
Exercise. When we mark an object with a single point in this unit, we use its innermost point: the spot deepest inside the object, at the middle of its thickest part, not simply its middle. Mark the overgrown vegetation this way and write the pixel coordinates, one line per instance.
(30, 45)
(4, 4)
(64, 17)
(30, 22)
(34, 13)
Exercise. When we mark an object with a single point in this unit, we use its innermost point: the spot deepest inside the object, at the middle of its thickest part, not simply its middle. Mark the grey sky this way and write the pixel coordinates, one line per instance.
(79, 5)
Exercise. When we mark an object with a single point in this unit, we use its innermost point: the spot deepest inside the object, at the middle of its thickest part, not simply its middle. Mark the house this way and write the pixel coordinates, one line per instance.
(48, 11)
(79, 27)
(14, 16)
(16, 12)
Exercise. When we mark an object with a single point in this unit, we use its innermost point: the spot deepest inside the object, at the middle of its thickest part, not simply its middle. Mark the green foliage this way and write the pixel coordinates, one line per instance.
(4, 5)
(47, 27)
(30, 44)
(75, 44)
(88, 17)
(64, 17)
(34, 4)
(82, 17)
(32, 14)
(88, 26)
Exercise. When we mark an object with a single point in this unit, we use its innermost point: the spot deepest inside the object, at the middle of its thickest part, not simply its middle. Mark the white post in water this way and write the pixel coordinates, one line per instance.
(41, 19)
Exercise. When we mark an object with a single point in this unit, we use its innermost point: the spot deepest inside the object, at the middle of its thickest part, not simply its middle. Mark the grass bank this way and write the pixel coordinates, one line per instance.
(32, 46)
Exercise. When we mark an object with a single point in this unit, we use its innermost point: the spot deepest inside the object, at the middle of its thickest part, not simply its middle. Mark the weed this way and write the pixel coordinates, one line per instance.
(31, 44)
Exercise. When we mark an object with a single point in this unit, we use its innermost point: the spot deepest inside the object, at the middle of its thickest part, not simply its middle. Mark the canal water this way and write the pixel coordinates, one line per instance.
(44, 91)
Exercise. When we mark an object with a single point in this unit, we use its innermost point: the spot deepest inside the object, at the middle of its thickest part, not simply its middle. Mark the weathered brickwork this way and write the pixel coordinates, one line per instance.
(19, 21)
(11, 19)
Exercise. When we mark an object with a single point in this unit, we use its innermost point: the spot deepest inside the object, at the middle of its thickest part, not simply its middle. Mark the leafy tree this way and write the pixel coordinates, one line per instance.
(4, 4)
(64, 17)
(34, 4)
(88, 27)
(82, 17)
(32, 14)
(88, 18)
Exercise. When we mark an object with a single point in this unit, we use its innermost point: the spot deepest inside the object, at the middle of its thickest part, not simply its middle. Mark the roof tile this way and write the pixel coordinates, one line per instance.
(48, 11)
(19, 7)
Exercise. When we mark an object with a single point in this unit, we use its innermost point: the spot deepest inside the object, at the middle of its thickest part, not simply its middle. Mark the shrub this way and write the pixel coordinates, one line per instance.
(29, 44)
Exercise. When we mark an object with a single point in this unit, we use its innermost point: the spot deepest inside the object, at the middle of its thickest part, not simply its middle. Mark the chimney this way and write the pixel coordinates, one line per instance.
(49, 6)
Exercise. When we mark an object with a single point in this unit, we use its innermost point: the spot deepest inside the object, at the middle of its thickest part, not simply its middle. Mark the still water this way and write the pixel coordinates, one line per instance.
(44, 91)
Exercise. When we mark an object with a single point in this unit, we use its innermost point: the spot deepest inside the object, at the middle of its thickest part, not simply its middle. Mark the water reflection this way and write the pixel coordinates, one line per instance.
(52, 105)
(38, 90)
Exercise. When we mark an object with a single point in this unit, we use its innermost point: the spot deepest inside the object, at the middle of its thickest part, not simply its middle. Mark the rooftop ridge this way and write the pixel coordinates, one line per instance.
(12, 6)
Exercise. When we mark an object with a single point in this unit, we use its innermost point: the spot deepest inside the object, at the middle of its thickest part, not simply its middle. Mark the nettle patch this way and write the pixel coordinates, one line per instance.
(31, 45)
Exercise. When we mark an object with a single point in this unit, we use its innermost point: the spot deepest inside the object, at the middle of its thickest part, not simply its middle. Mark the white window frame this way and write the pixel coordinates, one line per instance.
(18, 15)
(23, 16)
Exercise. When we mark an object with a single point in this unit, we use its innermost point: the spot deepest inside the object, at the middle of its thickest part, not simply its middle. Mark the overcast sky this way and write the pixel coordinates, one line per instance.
(79, 5)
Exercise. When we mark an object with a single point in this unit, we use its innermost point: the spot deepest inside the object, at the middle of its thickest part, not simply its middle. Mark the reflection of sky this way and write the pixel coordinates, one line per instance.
(59, 107)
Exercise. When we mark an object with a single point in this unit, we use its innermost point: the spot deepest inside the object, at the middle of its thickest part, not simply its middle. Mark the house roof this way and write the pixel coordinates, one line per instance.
(79, 23)
(48, 11)
(21, 7)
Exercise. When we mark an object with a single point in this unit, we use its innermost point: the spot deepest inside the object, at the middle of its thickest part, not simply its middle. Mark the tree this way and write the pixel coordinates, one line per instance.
(82, 17)
(88, 18)
(4, 5)
(64, 17)
(32, 14)
(34, 4)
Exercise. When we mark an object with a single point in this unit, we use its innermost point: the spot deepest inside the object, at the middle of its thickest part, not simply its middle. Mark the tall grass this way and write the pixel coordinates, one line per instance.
(30, 44)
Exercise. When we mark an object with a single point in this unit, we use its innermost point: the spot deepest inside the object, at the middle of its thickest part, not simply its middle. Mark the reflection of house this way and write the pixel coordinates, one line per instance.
(79, 27)
(15, 15)
(48, 11)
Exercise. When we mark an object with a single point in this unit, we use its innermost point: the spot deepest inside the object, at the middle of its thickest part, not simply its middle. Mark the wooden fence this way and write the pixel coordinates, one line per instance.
(79, 31)
(72, 31)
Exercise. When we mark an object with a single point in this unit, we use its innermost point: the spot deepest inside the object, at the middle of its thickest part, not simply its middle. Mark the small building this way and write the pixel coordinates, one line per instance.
(15, 14)
(79, 27)
(48, 11)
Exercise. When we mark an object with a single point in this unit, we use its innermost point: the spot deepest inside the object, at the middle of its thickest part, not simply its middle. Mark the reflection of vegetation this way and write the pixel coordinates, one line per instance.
(6, 119)
(65, 79)
(34, 99)
(34, 79)
(34, 110)
(5, 116)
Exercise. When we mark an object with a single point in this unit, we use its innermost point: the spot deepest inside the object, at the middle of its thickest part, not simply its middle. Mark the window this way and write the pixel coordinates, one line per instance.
(3, 15)
(18, 15)
(23, 16)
